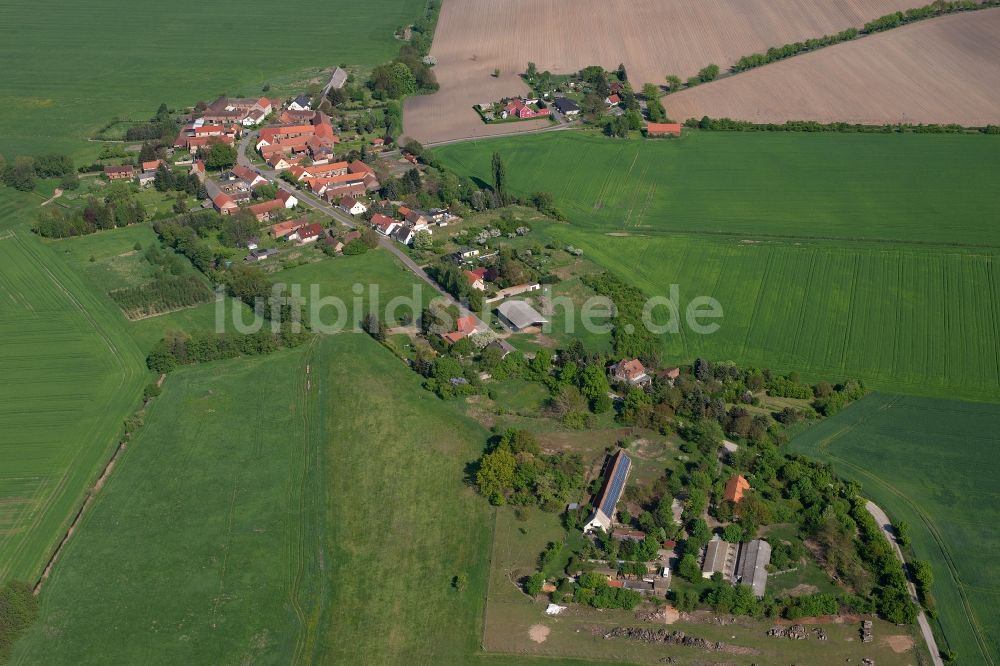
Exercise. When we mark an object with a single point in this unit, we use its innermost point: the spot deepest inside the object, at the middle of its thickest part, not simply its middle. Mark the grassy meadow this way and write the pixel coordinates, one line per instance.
(72, 67)
(783, 229)
(931, 463)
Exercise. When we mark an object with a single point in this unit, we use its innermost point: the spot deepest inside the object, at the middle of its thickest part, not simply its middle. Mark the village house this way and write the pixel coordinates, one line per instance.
(465, 326)
(630, 371)
(283, 229)
(287, 199)
(152, 165)
(263, 211)
(404, 234)
(417, 218)
(383, 224)
(663, 129)
(308, 233)
(249, 177)
(518, 315)
(198, 169)
(522, 109)
(669, 374)
(122, 172)
(736, 487)
(464, 254)
(246, 111)
(146, 178)
(613, 100)
(352, 206)
(606, 502)
(280, 162)
(224, 204)
(300, 103)
(477, 278)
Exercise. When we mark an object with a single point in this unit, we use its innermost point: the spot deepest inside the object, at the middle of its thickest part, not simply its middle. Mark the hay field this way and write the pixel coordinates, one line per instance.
(931, 463)
(944, 70)
(652, 38)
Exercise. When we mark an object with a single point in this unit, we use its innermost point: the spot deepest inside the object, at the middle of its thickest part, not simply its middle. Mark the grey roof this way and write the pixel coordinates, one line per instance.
(565, 105)
(751, 570)
(520, 315)
(615, 484)
(338, 78)
(503, 346)
(303, 100)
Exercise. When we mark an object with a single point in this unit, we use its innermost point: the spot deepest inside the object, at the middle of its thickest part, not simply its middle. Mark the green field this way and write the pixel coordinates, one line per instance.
(71, 376)
(920, 317)
(71, 67)
(932, 463)
(923, 188)
(302, 504)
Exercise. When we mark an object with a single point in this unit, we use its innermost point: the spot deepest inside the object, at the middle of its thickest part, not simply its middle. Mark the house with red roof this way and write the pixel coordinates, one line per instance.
(464, 327)
(352, 206)
(287, 198)
(308, 233)
(477, 278)
(283, 229)
(383, 224)
(248, 177)
(223, 203)
(630, 371)
(263, 211)
(613, 100)
(736, 488)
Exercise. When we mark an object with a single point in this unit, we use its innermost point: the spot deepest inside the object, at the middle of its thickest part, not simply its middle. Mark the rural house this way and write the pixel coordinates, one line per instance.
(567, 107)
(223, 203)
(352, 206)
(300, 103)
(477, 278)
(735, 489)
(287, 199)
(607, 500)
(122, 172)
(283, 229)
(463, 327)
(383, 224)
(263, 211)
(630, 371)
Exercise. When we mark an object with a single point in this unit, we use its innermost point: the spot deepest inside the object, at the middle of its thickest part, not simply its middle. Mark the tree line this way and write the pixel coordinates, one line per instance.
(22, 174)
(165, 293)
(730, 125)
(186, 349)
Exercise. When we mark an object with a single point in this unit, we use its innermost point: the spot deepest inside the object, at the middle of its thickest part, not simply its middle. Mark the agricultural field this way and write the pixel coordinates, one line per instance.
(314, 510)
(71, 377)
(944, 70)
(73, 84)
(652, 38)
(931, 463)
(743, 218)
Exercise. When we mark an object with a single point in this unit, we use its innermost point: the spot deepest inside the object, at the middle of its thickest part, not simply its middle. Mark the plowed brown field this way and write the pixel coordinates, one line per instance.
(652, 37)
(943, 70)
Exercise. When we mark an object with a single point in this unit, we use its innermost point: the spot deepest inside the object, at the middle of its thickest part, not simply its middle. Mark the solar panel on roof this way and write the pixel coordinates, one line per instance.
(615, 486)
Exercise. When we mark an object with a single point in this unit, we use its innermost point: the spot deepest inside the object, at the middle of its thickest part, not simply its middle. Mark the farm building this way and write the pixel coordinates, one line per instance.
(224, 203)
(463, 327)
(752, 567)
(611, 492)
(720, 557)
(264, 210)
(283, 229)
(518, 315)
(663, 129)
(735, 488)
(631, 371)
(566, 106)
(123, 172)
(516, 290)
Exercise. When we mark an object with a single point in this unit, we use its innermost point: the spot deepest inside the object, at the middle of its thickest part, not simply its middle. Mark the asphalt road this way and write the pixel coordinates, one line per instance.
(883, 521)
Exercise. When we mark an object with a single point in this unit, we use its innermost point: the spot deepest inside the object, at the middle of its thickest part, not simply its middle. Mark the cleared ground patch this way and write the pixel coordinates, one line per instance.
(944, 70)
(652, 38)
(933, 464)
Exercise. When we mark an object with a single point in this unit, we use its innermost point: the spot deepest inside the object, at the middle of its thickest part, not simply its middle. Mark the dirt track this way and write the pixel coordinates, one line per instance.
(943, 70)
(652, 38)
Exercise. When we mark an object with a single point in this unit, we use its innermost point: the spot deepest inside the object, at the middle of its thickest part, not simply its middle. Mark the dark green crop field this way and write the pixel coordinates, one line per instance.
(932, 463)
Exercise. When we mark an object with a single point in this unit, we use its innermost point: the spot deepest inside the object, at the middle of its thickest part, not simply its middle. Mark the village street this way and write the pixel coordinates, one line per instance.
(317, 204)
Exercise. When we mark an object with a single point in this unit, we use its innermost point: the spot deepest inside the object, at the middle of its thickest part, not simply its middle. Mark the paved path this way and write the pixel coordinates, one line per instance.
(883, 521)
(317, 204)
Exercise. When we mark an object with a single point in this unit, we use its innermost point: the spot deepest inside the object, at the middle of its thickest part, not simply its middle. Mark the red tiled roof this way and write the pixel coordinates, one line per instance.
(735, 488)
(663, 128)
